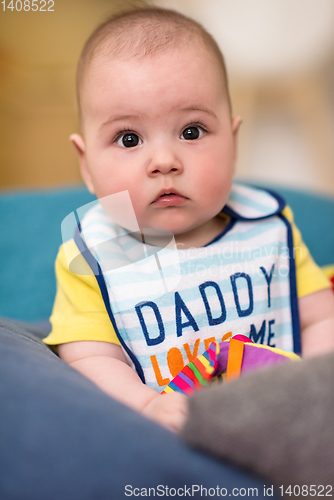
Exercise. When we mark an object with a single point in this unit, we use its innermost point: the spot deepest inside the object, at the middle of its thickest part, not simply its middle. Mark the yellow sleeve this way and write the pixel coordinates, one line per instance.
(328, 271)
(310, 278)
(78, 312)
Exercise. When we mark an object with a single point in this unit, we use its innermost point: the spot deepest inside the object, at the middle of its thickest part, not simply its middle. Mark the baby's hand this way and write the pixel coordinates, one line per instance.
(169, 410)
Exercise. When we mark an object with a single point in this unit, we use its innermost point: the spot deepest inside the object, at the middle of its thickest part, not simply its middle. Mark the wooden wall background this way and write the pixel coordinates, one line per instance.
(38, 57)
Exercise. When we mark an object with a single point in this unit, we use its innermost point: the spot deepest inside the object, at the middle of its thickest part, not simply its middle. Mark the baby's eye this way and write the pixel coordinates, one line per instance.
(192, 133)
(128, 140)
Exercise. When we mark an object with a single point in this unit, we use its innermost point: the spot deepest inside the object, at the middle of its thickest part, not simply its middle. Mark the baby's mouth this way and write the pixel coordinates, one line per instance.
(169, 198)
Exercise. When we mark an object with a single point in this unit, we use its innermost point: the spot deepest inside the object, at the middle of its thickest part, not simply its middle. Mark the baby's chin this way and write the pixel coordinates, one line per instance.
(171, 237)
(176, 221)
(174, 229)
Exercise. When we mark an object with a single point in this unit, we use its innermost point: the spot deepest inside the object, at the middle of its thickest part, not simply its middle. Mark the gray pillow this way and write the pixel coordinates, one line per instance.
(277, 422)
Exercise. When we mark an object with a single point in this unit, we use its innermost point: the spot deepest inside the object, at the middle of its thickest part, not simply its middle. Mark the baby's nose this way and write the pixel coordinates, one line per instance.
(164, 160)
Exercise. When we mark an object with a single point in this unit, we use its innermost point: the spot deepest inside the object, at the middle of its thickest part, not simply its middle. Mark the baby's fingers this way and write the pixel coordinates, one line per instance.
(169, 410)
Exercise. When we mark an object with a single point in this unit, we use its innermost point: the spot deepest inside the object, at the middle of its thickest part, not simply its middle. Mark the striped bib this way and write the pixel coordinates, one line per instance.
(167, 304)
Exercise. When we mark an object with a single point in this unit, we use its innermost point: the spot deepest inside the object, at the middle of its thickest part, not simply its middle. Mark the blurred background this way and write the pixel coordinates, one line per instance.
(280, 58)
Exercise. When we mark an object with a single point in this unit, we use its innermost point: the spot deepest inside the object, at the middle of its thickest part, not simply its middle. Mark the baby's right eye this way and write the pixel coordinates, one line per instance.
(128, 140)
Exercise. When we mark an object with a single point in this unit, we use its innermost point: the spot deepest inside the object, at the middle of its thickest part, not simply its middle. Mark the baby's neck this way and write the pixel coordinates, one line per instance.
(202, 235)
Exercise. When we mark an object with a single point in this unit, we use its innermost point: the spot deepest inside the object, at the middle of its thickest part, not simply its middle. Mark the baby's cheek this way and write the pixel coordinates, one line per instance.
(109, 183)
(218, 184)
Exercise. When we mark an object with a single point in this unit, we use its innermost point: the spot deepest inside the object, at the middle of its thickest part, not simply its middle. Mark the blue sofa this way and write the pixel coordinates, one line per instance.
(60, 436)
(30, 237)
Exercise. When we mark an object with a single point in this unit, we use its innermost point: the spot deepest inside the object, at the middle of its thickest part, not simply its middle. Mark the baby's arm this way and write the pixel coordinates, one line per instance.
(105, 364)
(317, 322)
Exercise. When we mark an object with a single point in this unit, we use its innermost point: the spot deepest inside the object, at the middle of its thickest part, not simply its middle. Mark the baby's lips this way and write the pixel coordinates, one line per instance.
(166, 191)
(170, 200)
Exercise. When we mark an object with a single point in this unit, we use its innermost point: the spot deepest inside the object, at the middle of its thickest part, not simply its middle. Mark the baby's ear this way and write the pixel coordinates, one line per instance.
(80, 147)
(236, 123)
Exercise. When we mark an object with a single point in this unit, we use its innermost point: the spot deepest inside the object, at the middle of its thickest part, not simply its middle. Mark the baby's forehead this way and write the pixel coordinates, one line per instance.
(142, 32)
(154, 75)
(104, 59)
(109, 53)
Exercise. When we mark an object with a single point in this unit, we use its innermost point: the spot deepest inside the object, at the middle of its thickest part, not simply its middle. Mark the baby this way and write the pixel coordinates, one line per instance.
(156, 122)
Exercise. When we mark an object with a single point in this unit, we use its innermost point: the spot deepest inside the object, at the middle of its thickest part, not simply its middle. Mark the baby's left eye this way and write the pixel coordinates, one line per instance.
(192, 133)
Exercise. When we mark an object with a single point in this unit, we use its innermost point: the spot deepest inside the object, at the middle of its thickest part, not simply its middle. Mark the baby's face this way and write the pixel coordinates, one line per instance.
(160, 125)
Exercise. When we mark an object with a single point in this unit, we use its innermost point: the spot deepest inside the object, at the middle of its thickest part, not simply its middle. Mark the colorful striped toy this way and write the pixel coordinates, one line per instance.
(197, 374)
(224, 362)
